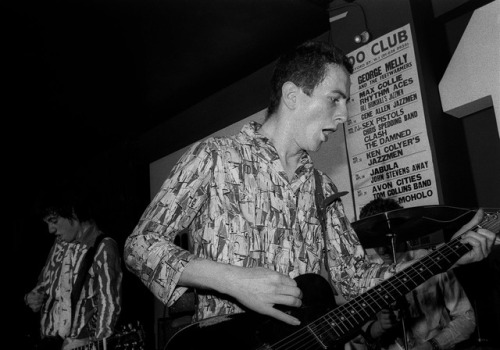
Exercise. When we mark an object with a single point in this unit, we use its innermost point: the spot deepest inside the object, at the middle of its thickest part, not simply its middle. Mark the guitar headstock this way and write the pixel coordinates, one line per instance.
(129, 337)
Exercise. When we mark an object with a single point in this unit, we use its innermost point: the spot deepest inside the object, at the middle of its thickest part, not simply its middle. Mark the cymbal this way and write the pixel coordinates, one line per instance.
(409, 223)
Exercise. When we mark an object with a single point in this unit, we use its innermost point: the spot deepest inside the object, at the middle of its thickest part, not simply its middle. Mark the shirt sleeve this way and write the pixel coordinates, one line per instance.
(109, 279)
(350, 269)
(462, 319)
(150, 251)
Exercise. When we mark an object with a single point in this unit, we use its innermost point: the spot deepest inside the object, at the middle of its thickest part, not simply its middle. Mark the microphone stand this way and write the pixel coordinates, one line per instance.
(402, 304)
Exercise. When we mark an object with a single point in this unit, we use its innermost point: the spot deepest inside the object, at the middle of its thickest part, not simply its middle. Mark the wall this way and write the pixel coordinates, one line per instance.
(470, 89)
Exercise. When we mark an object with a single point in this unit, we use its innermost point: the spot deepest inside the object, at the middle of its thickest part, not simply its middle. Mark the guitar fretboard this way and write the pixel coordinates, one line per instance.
(344, 321)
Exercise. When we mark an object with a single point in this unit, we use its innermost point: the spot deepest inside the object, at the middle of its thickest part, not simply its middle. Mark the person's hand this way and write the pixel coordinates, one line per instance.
(386, 319)
(35, 299)
(481, 240)
(259, 289)
(256, 288)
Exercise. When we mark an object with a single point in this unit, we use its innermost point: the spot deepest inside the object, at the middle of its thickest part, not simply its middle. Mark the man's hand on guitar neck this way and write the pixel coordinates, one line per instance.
(480, 239)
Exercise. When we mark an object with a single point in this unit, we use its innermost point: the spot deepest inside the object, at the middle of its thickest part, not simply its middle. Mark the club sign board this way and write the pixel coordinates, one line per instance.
(386, 135)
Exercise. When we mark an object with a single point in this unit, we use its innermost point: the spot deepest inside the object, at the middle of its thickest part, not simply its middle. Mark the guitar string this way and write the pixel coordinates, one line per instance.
(434, 259)
(422, 271)
(312, 342)
(380, 297)
(342, 320)
(425, 264)
(418, 274)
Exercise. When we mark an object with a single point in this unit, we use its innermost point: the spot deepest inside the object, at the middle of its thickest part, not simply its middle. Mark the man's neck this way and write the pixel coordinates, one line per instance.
(277, 131)
(87, 233)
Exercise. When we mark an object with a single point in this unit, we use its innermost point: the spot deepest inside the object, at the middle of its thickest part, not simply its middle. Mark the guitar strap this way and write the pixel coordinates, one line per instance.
(84, 268)
(321, 204)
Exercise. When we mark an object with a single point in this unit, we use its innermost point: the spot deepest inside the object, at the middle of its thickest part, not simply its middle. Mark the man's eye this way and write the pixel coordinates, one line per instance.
(52, 220)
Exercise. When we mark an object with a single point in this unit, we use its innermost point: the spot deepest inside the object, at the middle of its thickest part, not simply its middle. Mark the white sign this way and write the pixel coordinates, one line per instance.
(386, 134)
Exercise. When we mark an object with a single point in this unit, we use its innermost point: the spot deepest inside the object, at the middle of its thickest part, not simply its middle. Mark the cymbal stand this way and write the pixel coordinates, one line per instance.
(392, 237)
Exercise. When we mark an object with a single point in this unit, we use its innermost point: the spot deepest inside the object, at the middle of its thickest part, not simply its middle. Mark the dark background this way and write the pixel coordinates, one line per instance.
(93, 91)
(83, 81)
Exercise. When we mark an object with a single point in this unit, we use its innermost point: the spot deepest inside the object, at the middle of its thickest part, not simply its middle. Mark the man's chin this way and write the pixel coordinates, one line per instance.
(317, 146)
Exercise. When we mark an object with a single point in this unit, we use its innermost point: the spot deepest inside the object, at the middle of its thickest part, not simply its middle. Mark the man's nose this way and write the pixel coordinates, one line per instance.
(342, 118)
(341, 113)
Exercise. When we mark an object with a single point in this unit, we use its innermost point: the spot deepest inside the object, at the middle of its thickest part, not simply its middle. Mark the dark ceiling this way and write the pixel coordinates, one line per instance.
(86, 76)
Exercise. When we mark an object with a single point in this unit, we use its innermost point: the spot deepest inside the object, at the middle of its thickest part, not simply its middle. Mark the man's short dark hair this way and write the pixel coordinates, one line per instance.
(67, 202)
(378, 205)
(305, 67)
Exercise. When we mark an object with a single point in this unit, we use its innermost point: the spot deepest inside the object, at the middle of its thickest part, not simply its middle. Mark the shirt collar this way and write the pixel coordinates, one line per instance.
(250, 135)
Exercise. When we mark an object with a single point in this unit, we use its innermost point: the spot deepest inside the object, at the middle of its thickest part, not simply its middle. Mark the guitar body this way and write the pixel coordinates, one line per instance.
(253, 331)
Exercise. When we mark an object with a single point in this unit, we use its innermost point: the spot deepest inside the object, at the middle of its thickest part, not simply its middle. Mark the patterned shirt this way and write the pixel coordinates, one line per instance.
(239, 207)
(99, 305)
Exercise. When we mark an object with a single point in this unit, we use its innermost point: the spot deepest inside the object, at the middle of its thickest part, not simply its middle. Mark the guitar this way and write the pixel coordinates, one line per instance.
(130, 337)
(327, 326)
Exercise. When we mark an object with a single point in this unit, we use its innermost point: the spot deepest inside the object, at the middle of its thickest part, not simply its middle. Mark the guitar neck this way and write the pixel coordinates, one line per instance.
(347, 319)
(337, 326)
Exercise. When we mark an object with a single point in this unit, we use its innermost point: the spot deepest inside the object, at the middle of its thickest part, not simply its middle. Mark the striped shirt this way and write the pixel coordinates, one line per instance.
(99, 305)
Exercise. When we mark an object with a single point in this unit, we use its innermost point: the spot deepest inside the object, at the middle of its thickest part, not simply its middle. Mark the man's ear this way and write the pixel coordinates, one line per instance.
(290, 93)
